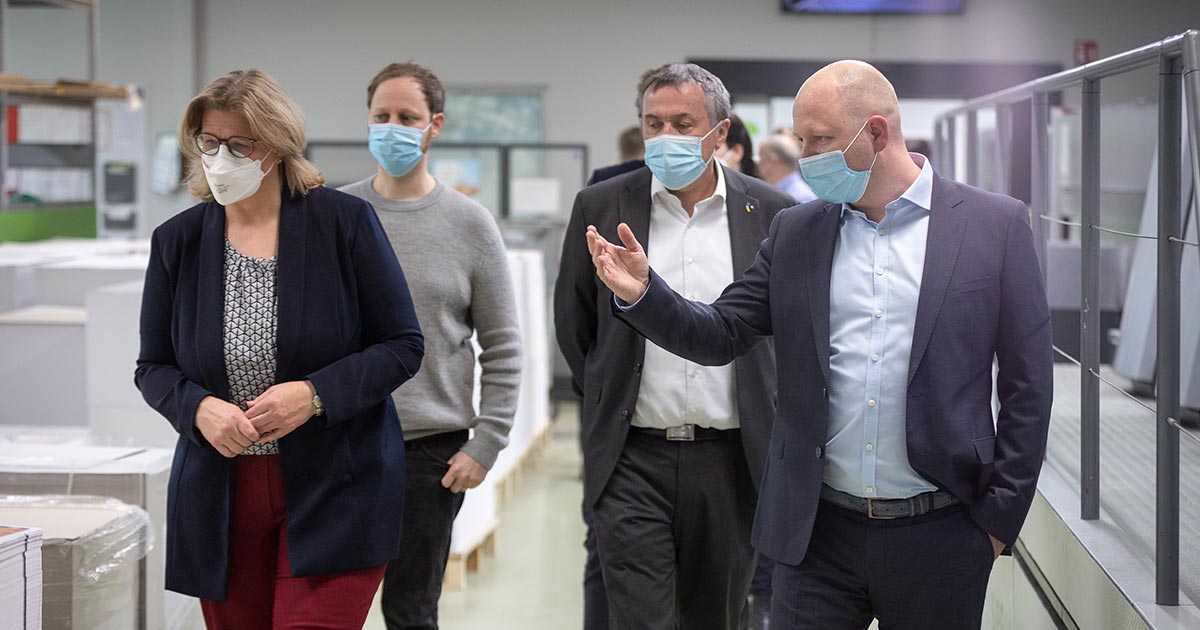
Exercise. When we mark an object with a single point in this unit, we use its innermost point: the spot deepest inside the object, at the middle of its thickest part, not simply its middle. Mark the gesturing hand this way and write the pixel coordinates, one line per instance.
(624, 270)
(225, 426)
(283, 407)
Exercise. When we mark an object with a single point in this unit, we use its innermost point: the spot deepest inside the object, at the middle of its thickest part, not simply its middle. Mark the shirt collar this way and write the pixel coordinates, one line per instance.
(918, 194)
(657, 188)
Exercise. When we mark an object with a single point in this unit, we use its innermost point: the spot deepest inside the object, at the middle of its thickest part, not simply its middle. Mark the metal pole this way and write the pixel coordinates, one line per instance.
(1191, 83)
(948, 165)
(973, 148)
(1166, 548)
(1089, 312)
(1039, 173)
(938, 144)
(1004, 125)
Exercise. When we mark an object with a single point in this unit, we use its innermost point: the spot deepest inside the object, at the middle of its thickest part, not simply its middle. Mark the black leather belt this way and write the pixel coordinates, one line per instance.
(687, 433)
(889, 508)
(458, 438)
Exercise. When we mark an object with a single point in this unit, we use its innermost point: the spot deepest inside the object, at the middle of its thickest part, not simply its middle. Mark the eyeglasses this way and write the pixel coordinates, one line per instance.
(239, 146)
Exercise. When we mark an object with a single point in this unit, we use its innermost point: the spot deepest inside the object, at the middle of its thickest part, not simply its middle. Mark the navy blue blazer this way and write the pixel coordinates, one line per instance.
(345, 322)
(981, 298)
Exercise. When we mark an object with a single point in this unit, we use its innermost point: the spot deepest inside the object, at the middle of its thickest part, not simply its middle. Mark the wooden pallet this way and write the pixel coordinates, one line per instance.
(459, 564)
(506, 487)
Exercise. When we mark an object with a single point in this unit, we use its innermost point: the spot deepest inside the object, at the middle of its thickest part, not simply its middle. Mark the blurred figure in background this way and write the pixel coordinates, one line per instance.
(630, 150)
(779, 165)
(738, 151)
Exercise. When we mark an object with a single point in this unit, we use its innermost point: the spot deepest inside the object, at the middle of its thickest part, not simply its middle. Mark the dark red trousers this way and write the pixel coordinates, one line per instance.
(262, 592)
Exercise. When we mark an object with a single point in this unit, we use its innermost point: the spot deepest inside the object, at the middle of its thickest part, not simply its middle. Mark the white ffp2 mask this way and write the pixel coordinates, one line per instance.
(231, 178)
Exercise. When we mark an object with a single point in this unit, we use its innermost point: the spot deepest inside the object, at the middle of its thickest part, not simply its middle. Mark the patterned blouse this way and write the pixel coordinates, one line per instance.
(249, 331)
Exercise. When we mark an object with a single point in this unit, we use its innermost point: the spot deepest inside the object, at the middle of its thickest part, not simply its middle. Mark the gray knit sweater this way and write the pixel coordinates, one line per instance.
(454, 261)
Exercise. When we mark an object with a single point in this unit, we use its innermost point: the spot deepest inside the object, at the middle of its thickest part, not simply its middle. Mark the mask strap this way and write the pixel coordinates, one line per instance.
(268, 171)
(860, 130)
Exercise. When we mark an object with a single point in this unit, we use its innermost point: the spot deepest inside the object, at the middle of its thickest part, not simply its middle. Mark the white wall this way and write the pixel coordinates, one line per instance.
(587, 56)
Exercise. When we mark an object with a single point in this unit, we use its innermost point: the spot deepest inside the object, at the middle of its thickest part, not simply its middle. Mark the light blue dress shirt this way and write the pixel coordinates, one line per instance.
(873, 291)
(795, 186)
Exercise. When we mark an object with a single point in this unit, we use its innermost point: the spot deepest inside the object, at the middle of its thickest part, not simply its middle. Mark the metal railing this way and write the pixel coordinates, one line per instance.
(1177, 59)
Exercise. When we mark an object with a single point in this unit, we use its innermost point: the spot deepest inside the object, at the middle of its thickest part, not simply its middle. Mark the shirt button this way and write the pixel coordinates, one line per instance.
(870, 447)
(879, 271)
(691, 375)
(870, 490)
(874, 357)
(871, 403)
(691, 260)
(882, 232)
(818, 452)
(878, 314)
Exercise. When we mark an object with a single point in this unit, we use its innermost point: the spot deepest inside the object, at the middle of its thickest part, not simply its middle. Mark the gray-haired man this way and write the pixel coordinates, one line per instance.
(673, 450)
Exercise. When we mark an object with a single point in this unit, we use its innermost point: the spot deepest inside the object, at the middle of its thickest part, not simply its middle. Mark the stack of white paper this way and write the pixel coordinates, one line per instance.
(67, 283)
(20, 578)
(42, 366)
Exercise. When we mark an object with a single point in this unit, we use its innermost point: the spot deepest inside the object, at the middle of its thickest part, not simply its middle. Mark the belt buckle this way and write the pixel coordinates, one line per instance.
(871, 508)
(682, 433)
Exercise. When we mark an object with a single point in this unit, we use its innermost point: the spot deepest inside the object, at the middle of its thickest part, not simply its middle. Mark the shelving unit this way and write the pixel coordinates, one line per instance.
(65, 215)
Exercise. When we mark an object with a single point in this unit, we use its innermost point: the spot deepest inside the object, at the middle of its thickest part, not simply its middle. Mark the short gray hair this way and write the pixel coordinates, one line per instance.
(785, 150)
(716, 97)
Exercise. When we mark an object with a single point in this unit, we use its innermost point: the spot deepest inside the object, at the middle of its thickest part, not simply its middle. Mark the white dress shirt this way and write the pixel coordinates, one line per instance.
(873, 291)
(694, 256)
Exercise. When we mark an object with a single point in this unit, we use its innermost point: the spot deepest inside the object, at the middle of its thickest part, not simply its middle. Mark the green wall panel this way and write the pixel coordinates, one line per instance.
(36, 225)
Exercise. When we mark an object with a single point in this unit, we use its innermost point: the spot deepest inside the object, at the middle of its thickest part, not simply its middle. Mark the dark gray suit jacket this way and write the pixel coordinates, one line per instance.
(982, 298)
(605, 355)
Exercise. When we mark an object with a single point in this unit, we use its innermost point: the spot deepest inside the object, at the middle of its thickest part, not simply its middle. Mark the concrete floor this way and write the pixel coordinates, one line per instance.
(534, 582)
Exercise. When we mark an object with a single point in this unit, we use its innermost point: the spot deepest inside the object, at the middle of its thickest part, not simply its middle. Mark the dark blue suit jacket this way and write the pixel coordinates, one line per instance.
(346, 323)
(981, 299)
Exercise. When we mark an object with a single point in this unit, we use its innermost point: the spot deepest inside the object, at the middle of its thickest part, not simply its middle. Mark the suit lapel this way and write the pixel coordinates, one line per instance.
(744, 233)
(946, 226)
(293, 214)
(210, 302)
(633, 208)
(824, 227)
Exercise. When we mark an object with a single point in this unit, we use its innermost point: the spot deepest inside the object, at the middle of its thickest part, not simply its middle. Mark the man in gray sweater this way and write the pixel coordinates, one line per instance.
(454, 260)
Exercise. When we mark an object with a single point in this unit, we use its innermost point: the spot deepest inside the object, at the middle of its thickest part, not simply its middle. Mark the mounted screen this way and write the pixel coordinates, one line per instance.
(872, 6)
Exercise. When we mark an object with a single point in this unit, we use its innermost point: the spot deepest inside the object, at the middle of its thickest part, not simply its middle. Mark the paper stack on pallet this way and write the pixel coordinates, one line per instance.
(90, 556)
(20, 578)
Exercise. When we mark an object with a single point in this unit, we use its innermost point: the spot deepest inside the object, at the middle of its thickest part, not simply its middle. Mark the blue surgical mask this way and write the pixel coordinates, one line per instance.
(677, 161)
(397, 148)
(831, 179)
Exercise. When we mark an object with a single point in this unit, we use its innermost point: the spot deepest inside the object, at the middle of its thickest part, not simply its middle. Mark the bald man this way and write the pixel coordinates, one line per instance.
(890, 488)
(778, 165)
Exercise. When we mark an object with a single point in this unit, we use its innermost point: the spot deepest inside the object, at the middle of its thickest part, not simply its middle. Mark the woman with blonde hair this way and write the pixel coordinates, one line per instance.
(275, 324)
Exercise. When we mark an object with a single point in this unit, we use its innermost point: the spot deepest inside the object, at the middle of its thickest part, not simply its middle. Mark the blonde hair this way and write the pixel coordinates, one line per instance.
(274, 120)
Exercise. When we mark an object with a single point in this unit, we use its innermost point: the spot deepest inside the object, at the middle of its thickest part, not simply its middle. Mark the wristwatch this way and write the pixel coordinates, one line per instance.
(316, 401)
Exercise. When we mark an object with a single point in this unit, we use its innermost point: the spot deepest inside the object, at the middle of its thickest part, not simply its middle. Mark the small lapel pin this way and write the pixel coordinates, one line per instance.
(749, 207)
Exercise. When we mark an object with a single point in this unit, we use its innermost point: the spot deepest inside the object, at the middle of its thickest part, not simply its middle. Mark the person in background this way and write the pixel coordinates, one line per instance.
(738, 151)
(672, 450)
(630, 150)
(892, 487)
(778, 164)
(275, 324)
(458, 275)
